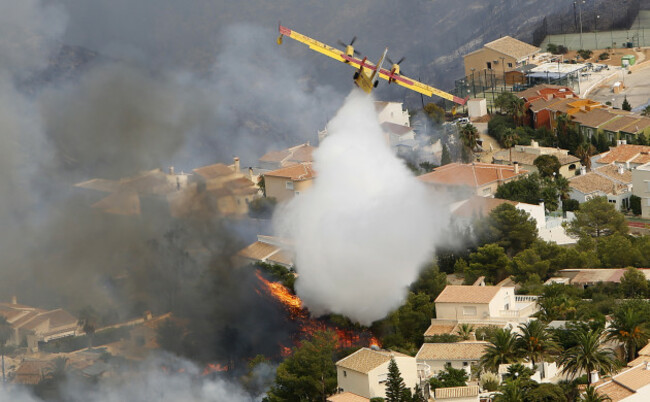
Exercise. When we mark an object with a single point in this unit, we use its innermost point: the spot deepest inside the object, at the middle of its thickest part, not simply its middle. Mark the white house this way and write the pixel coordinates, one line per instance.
(641, 187)
(461, 355)
(480, 304)
(365, 372)
(457, 394)
(611, 181)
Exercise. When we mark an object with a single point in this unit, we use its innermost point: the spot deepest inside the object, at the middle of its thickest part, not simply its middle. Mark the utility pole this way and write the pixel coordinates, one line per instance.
(503, 65)
(580, 18)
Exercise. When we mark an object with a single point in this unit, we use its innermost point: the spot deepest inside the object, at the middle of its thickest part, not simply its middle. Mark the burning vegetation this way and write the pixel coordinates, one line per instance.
(307, 326)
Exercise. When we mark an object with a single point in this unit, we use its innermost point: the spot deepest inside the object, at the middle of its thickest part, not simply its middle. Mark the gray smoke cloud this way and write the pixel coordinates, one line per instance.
(162, 378)
(366, 226)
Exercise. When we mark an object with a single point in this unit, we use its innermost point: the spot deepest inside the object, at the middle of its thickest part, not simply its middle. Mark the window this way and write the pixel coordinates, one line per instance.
(489, 65)
(297, 192)
(345, 373)
(510, 65)
(289, 185)
(465, 364)
(382, 378)
(612, 201)
(448, 364)
(469, 310)
(572, 166)
(487, 191)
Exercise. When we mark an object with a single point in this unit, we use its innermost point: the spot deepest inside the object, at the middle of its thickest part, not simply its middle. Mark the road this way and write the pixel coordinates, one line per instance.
(637, 89)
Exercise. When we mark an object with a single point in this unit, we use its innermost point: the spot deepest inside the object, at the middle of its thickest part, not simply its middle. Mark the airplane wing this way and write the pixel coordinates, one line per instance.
(419, 87)
(327, 50)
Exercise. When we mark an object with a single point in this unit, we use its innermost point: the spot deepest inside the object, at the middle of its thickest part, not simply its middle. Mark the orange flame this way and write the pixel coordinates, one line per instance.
(213, 367)
(346, 337)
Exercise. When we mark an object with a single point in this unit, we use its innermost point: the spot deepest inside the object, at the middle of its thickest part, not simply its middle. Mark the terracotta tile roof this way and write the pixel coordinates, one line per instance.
(542, 103)
(456, 392)
(536, 90)
(120, 203)
(613, 390)
(104, 185)
(620, 123)
(303, 171)
(527, 158)
(593, 182)
(467, 294)
(594, 118)
(31, 372)
(214, 171)
(303, 154)
(562, 105)
(634, 378)
(477, 207)
(275, 156)
(467, 351)
(587, 276)
(439, 327)
(640, 125)
(258, 251)
(472, 174)
(627, 153)
(366, 359)
(512, 47)
(645, 351)
(347, 397)
(281, 257)
(612, 171)
(639, 360)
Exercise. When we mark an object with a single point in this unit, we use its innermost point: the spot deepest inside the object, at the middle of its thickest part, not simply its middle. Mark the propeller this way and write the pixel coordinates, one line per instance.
(345, 45)
(398, 61)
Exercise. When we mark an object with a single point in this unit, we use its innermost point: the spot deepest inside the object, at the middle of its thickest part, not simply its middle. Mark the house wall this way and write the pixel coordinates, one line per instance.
(641, 188)
(394, 113)
(376, 377)
(439, 365)
(462, 311)
(465, 399)
(353, 381)
(570, 169)
(536, 211)
(478, 61)
(277, 187)
(542, 119)
(505, 297)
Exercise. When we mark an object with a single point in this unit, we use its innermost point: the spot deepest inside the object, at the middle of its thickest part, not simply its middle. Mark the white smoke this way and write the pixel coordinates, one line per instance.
(366, 226)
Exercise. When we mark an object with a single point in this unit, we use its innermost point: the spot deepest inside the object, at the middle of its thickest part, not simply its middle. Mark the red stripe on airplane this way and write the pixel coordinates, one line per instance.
(285, 31)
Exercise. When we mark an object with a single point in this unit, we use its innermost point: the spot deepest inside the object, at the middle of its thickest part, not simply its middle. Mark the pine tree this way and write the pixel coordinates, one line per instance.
(626, 105)
(395, 387)
(445, 158)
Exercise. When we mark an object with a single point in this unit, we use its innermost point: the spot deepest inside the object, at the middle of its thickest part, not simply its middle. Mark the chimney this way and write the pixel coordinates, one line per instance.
(594, 377)
(534, 144)
(647, 365)
(621, 169)
(236, 164)
(250, 173)
(583, 170)
(171, 170)
(627, 165)
(516, 165)
(14, 300)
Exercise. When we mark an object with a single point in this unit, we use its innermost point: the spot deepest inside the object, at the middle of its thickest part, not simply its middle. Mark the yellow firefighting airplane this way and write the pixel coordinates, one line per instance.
(366, 75)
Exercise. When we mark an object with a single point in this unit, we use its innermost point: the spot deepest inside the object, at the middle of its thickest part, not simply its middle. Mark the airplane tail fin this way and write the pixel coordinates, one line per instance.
(381, 62)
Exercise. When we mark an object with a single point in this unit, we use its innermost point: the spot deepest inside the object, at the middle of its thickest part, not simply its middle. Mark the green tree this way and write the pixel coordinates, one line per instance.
(511, 391)
(527, 263)
(510, 138)
(634, 283)
(617, 250)
(585, 54)
(465, 331)
(547, 165)
(502, 350)
(469, 138)
(646, 111)
(534, 341)
(505, 102)
(518, 371)
(418, 394)
(445, 159)
(435, 112)
(309, 374)
(591, 395)
(626, 105)
(635, 204)
(395, 387)
(546, 393)
(526, 189)
(490, 261)
(509, 227)
(589, 353)
(597, 217)
(449, 377)
(629, 327)
(5, 335)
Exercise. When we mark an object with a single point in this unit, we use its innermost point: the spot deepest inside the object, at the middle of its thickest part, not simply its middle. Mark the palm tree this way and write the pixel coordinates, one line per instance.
(510, 138)
(465, 331)
(88, 323)
(5, 334)
(534, 341)
(629, 328)
(469, 137)
(591, 395)
(518, 111)
(589, 354)
(646, 111)
(562, 124)
(585, 151)
(503, 350)
(511, 391)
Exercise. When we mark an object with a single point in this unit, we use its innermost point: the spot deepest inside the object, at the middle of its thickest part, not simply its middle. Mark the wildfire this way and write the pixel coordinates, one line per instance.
(213, 367)
(346, 337)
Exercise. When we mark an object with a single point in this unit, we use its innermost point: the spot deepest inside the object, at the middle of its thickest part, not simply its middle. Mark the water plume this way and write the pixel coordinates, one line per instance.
(366, 226)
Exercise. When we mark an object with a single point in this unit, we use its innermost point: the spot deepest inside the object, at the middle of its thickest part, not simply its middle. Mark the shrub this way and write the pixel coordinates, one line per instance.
(635, 204)
(603, 56)
(489, 381)
(570, 205)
